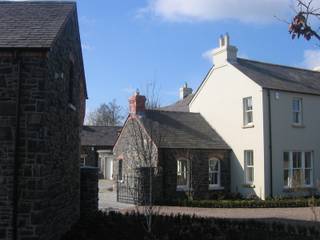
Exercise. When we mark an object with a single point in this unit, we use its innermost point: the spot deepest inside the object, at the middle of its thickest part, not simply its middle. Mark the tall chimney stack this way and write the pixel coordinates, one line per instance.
(137, 104)
(225, 52)
(185, 91)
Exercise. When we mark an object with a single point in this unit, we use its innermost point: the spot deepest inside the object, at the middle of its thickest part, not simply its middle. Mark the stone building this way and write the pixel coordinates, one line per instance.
(97, 148)
(42, 106)
(187, 157)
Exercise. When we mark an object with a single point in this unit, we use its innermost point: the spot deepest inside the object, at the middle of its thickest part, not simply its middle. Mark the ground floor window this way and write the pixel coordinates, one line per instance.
(214, 173)
(182, 173)
(249, 166)
(297, 169)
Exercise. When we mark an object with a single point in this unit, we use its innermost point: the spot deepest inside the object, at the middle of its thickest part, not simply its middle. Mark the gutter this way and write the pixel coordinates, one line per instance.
(15, 195)
(270, 143)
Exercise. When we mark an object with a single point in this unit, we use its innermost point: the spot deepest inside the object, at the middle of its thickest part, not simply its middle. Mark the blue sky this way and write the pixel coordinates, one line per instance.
(131, 43)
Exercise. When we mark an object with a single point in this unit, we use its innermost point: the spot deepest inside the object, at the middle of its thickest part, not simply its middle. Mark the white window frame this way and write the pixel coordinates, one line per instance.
(218, 172)
(83, 160)
(303, 169)
(180, 171)
(248, 166)
(297, 112)
(247, 111)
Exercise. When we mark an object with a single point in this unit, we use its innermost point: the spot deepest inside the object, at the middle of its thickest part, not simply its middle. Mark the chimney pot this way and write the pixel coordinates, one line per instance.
(137, 104)
(225, 52)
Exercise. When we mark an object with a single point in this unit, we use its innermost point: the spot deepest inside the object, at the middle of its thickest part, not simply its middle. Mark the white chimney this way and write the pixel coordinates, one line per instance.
(225, 52)
(316, 69)
(185, 91)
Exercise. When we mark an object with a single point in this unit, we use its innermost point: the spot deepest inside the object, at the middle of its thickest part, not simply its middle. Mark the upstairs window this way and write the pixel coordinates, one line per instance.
(249, 166)
(247, 111)
(297, 111)
(214, 173)
(182, 174)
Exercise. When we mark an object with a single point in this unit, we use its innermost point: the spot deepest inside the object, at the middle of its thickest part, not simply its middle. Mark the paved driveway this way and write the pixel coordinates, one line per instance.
(281, 214)
(108, 197)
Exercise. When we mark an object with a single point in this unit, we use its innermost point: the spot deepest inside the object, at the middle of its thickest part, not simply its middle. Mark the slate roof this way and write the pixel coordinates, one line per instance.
(280, 77)
(180, 106)
(99, 135)
(183, 130)
(32, 24)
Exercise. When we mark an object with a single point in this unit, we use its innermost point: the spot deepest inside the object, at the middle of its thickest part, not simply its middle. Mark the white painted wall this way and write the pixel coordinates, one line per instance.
(220, 101)
(285, 137)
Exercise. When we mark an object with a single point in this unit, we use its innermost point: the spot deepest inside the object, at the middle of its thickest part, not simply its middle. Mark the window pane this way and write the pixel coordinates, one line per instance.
(250, 175)
(182, 172)
(249, 117)
(286, 177)
(285, 160)
(213, 178)
(307, 158)
(296, 159)
(213, 165)
(307, 176)
(296, 117)
(249, 103)
(296, 103)
(296, 177)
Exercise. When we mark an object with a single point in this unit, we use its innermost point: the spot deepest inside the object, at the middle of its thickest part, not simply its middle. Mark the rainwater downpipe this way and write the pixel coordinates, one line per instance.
(15, 197)
(270, 142)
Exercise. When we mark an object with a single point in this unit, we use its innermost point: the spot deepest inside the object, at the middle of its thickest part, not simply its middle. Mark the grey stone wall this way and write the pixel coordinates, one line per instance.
(48, 169)
(165, 177)
(199, 172)
(89, 190)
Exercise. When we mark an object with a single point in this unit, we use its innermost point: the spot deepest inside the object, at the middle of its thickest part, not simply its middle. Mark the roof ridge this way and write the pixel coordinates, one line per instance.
(279, 65)
(169, 111)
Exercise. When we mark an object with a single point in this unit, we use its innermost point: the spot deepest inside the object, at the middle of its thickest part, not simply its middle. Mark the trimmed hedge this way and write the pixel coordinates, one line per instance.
(115, 226)
(244, 203)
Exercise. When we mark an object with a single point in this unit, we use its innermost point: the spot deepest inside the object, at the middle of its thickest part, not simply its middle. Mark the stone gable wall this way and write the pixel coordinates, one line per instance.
(49, 144)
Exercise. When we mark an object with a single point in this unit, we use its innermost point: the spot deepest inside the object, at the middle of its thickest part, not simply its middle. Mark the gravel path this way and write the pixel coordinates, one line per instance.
(108, 197)
(297, 214)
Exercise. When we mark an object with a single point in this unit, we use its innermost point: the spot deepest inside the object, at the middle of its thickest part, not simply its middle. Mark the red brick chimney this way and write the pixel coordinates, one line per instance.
(137, 103)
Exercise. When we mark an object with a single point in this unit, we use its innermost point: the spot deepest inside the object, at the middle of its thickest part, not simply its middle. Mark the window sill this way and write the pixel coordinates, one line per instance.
(72, 107)
(295, 125)
(299, 189)
(215, 188)
(248, 185)
(248, 126)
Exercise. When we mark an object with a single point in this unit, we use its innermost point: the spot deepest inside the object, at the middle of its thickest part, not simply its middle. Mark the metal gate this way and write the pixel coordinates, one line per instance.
(129, 190)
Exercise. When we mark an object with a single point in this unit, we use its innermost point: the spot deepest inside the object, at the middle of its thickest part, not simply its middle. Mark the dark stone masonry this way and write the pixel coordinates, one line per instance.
(42, 104)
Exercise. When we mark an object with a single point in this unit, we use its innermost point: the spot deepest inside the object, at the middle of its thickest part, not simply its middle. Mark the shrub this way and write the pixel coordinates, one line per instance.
(115, 226)
(246, 203)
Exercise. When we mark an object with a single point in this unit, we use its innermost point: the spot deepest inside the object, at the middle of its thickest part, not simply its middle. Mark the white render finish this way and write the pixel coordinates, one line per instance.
(220, 101)
(289, 137)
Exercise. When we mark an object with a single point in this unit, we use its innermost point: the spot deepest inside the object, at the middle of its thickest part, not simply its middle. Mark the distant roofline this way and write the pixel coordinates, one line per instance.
(279, 65)
(161, 110)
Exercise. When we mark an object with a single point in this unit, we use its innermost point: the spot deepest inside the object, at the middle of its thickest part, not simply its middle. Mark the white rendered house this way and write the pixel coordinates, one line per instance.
(270, 117)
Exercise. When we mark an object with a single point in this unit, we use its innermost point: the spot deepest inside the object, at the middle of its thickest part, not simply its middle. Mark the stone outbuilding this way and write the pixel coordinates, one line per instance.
(42, 106)
(97, 148)
(188, 158)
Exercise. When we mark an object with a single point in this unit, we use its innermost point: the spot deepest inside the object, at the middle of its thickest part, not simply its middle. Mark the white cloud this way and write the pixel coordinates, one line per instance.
(208, 55)
(311, 59)
(257, 11)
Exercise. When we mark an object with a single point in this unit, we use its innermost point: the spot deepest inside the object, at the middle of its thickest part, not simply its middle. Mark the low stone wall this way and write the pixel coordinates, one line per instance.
(89, 190)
